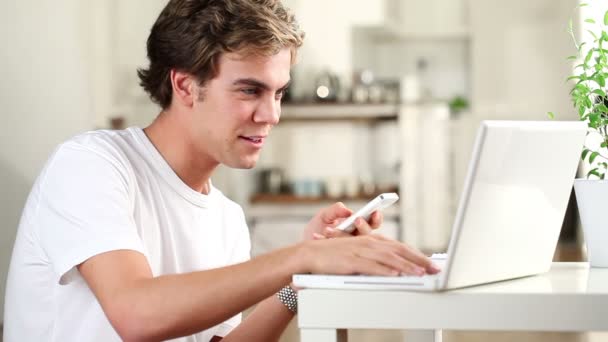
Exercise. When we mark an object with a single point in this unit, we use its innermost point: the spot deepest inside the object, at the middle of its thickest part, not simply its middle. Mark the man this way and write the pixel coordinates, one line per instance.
(125, 237)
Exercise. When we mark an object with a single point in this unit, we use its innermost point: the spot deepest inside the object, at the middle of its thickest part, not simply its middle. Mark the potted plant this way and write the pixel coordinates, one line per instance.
(591, 103)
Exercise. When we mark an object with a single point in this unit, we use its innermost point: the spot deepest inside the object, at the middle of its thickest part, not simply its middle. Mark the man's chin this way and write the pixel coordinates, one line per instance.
(242, 164)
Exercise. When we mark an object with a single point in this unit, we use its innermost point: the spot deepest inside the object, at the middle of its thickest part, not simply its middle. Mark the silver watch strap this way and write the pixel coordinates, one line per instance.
(289, 298)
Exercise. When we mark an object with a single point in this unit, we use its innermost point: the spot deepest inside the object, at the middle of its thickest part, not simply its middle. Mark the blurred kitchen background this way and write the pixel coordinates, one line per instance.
(386, 96)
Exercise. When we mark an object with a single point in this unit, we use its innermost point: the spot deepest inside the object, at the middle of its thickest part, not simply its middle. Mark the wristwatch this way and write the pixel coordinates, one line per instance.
(289, 298)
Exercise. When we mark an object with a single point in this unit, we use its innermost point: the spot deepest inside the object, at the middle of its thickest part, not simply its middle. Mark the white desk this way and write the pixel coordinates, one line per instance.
(571, 297)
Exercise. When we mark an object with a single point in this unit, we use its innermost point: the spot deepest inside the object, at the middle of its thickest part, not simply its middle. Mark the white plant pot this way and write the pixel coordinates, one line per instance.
(592, 200)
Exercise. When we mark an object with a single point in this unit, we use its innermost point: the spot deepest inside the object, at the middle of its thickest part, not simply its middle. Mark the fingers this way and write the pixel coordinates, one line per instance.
(317, 236)
(372, 267)
(417, 258)
(362, 227)
(403, 257)
(334, 212)
(330, 233)
(393, 261)
(376, 219)
(369, 254)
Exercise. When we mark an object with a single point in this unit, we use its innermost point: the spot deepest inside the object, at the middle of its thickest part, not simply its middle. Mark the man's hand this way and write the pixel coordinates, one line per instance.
(322, 224)
(371, 254)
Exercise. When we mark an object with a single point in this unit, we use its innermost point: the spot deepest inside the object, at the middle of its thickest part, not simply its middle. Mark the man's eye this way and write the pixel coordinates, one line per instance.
(249, 91)
(280, 94)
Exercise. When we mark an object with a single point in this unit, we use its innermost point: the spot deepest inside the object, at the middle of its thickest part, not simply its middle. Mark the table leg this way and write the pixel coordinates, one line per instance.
(323, 335)
(423, 336)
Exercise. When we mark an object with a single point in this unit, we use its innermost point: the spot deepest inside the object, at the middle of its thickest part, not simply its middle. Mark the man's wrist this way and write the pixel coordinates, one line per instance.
(302, 257)
(289, 298)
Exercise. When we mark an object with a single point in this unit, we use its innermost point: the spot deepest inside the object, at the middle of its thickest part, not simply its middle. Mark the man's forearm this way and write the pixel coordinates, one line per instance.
(178, 305)
(266, 323)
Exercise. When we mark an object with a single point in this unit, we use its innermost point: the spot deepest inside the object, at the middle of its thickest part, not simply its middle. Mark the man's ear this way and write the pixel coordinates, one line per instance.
(184, 87)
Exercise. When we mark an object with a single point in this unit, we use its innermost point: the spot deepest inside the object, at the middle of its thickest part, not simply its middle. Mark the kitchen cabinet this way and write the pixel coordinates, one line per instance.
(315, 111)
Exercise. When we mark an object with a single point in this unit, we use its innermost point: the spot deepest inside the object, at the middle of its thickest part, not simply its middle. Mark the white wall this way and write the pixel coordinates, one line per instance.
(116, 47)
(519, 52)
(44, 99)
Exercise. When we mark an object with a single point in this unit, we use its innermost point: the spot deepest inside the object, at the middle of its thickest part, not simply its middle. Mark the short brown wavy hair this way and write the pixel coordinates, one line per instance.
(191, 35)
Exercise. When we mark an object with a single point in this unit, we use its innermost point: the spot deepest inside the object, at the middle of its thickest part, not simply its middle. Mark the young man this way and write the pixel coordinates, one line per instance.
(125, 237)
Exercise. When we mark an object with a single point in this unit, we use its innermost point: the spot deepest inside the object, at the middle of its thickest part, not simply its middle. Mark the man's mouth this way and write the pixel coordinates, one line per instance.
(253, 139)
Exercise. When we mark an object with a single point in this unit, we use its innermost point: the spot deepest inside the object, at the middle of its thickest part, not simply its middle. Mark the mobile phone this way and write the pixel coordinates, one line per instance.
(380, 202)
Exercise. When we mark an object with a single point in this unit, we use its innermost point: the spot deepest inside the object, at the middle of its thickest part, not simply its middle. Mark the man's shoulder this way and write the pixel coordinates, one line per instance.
(93, 150)
(111, 145)
(102, 139)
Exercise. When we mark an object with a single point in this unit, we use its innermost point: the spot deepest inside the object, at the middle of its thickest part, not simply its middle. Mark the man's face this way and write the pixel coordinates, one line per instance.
(236, 110)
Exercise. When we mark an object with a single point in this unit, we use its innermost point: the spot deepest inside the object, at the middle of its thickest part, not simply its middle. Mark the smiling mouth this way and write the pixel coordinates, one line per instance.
(253, 139)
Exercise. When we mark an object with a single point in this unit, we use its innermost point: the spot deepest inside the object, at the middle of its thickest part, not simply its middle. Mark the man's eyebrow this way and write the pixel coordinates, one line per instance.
(255, 83)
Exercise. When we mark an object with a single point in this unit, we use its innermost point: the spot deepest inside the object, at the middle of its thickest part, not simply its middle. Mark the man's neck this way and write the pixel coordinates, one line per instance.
(172, 141)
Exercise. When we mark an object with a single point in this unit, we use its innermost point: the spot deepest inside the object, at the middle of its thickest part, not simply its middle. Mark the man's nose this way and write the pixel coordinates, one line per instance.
(268, 111)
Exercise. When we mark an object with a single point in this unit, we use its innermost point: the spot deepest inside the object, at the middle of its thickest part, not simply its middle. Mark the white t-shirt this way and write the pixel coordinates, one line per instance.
(104, 191)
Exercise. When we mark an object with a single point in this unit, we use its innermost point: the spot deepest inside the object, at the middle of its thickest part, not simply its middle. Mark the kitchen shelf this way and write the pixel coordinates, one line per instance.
(338, 111)
(303, 210)
(397, 33)
(261, 198)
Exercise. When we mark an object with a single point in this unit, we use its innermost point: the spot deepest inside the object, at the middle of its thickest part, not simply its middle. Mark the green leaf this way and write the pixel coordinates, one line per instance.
(588, 57)
(598, 66)
(600, 80)
(602, 145)
(583, 5)
(580, 47)
(573, 77)
(571, 58)
(594, 172)
(602, 108)
(606, 18)
(584, 155)
(593, 156)
(591, 21)
(581, 111)
(599, 92)
(592, 34)
(551, 115)
(582, 88)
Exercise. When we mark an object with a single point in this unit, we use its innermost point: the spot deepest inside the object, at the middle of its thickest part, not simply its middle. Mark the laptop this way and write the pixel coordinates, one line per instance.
(510, 212)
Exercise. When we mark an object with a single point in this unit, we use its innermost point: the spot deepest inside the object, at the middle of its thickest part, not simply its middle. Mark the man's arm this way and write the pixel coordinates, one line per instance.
(270, 318)
(266, 323)
(142, 307)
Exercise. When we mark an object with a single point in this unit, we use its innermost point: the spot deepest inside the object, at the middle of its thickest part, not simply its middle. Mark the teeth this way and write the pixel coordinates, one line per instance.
(253, 139)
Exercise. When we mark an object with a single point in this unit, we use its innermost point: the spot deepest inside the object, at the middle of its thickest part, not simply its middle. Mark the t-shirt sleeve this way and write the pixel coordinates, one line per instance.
(84, 208)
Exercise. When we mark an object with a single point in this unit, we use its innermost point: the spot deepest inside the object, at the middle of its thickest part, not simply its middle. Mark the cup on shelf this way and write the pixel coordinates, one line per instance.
(307, 188)
(334, 187)
(351, 186)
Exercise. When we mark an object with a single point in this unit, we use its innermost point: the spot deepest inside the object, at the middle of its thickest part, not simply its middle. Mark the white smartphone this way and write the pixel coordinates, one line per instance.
(380, 202)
